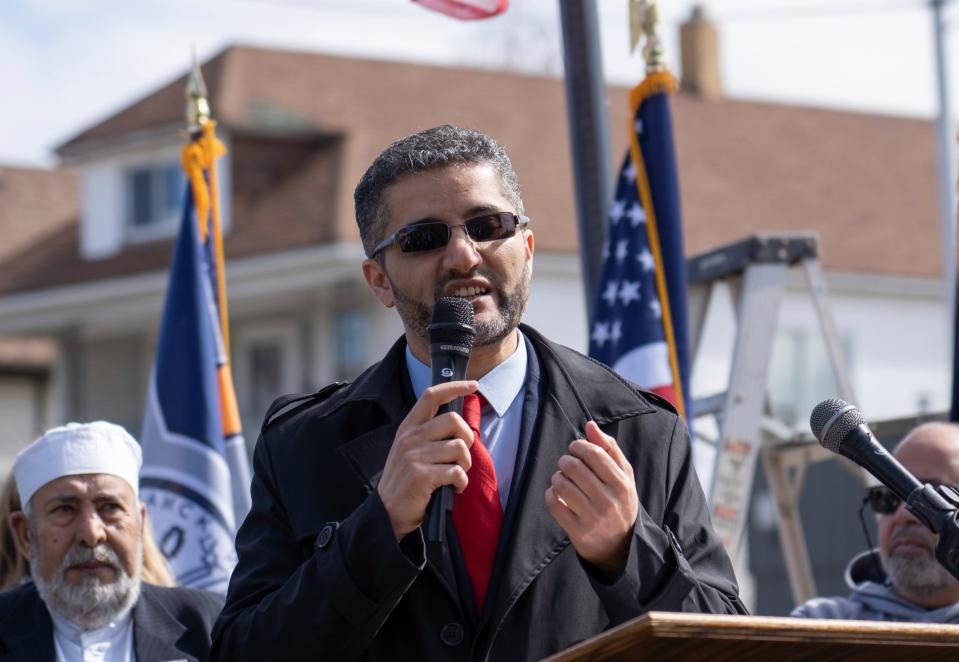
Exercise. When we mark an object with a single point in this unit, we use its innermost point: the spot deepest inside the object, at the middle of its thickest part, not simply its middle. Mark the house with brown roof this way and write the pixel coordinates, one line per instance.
(300, 130)
(302, 127)
(33, 204)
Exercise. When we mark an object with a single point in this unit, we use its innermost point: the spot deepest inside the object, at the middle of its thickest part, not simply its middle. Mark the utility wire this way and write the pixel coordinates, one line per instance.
(757, 13)
(341, 6)
(808, 10)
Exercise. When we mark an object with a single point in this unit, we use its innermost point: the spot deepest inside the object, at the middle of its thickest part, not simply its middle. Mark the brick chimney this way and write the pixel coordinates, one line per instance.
(699, 45)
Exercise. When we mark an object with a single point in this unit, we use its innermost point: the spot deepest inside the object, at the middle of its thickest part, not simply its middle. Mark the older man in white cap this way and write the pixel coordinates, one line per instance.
(81, 529)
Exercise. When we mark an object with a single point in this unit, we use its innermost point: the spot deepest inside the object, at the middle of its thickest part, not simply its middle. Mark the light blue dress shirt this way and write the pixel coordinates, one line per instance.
(501, 418)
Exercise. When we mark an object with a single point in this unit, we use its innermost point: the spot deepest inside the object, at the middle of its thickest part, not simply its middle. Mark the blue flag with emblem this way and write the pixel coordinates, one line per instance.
(195, 478)
(639, 323)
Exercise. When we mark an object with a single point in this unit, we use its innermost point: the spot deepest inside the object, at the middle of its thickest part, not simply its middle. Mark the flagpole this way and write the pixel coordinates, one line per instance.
(203, 136)
(588, 135)
(200, 126)
(947, 182)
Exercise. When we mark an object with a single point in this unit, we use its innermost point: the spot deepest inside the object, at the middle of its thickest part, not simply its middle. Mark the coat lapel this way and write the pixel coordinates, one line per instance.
(385, 386)
(535, 537)
(27, 633)
(367, 453)
(155, 631)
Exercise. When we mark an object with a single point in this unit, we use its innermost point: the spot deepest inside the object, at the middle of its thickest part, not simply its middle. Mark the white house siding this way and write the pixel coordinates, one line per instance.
(893, 332)
(895, 336)
(112, 378)
(557, 307)
(21, 408)
(902, 362)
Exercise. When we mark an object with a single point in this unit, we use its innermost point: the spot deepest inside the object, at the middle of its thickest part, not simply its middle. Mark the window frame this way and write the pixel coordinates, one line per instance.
(248, 335)
(165, 220)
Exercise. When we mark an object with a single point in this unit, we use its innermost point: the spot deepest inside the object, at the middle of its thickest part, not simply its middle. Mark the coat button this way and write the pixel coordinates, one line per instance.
(326, 535)
(452, 634)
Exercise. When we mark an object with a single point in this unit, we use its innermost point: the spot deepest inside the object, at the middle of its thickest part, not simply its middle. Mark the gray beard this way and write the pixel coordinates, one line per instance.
(920, 576)
(512, 305)
(90, 604)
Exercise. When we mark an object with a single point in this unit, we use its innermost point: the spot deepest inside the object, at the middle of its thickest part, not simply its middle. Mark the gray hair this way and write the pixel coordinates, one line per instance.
(433, 148)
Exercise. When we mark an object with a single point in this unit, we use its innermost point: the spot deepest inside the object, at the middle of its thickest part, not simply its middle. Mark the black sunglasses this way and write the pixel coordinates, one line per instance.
(431, 235)
(883, 502)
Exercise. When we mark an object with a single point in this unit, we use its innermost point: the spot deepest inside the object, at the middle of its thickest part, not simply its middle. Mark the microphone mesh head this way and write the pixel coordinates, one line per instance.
(452, 322)
(453, 310)
(832, 420)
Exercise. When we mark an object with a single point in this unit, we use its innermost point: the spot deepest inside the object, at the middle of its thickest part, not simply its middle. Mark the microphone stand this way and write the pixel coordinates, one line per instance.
(938, 509)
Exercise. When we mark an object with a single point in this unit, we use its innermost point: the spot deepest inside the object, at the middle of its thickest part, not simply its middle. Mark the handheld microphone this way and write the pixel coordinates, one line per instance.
(451, 335)
(842, 429)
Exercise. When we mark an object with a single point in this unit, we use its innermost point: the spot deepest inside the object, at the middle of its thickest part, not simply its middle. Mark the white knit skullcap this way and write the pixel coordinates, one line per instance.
(78, 448)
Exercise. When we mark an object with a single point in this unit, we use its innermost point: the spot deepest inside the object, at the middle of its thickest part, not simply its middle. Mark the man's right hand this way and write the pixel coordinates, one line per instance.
(429, 451)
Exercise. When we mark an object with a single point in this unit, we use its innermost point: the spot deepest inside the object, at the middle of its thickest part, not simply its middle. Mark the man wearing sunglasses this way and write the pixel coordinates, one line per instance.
(577, 506)
(903, 581)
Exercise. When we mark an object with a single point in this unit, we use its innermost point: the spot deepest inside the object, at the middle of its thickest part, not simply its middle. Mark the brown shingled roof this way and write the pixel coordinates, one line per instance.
(866, 183)
(272, 180)
(34, 203)
(157, 109)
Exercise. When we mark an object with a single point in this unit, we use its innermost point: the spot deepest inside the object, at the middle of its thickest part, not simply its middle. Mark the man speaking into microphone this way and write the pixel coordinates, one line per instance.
(576, 506)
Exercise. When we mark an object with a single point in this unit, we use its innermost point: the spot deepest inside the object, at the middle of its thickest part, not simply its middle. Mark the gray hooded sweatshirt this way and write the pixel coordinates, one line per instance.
(872, 599)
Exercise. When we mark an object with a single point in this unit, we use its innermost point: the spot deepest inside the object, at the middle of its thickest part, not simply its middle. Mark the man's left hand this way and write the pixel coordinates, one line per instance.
(593, 497)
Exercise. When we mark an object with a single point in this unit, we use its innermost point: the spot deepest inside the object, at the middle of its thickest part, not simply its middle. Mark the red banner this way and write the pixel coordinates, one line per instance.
(466, 10)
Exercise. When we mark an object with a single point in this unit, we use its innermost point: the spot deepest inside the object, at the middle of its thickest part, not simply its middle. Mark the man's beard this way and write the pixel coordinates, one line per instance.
(920, 575)
(91, 604)
(417, 315)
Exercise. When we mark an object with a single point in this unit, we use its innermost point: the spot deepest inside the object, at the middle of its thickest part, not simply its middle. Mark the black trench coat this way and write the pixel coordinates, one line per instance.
(321, 576)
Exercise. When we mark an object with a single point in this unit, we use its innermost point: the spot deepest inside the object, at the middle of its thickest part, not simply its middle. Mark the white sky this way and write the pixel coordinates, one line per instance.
(66, 64)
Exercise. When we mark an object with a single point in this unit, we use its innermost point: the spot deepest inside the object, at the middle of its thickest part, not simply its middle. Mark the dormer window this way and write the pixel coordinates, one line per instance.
(154, 195)
(134, 196)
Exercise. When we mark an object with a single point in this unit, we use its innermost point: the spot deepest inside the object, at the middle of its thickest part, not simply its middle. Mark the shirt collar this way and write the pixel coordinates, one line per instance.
(499, 386)
(111, 630)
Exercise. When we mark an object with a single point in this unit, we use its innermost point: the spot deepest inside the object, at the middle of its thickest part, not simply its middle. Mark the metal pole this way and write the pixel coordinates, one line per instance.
(588, 134)
(946, 172)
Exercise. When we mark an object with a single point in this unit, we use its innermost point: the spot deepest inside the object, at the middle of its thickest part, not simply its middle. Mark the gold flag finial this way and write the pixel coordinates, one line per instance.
(197, 106)
(653, 50)
(644, 22)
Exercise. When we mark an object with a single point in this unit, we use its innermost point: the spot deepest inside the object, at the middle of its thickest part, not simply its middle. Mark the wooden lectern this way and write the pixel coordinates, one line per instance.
(668, 636)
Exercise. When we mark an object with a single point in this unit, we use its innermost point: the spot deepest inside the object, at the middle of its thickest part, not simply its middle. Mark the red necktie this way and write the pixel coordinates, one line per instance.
(477, 513)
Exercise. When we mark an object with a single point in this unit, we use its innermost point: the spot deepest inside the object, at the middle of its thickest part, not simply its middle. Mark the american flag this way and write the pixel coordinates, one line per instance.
(639, 325)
